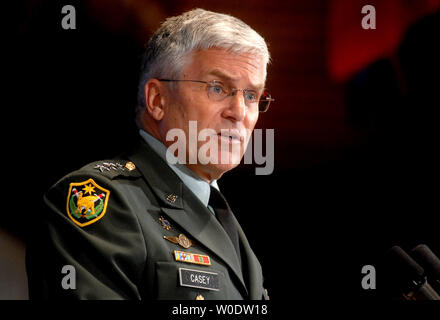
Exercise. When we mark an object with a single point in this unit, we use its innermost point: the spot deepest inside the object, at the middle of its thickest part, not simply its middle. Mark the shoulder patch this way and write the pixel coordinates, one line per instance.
(86, 202)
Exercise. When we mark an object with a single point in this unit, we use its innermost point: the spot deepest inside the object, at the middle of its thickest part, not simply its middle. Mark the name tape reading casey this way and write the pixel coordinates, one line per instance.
(199, 279)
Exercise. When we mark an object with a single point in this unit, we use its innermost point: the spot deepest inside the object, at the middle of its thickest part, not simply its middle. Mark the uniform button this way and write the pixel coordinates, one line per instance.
(200, 297)
(130, 166)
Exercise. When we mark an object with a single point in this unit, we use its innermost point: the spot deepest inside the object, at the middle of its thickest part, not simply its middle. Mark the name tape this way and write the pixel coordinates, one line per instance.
(199, 279)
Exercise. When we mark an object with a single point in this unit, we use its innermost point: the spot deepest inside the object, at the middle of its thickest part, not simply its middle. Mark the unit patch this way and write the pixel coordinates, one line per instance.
(192, 258)
(86, 202)
(199, 279)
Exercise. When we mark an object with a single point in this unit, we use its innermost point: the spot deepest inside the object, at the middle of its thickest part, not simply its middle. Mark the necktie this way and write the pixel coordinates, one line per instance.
(224, 215)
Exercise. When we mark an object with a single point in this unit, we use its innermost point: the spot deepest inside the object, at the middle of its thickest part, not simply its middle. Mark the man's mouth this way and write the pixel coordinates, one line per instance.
(232, 136)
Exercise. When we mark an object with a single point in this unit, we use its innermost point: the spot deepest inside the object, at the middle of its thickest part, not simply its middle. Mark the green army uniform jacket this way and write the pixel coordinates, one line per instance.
(108, 220)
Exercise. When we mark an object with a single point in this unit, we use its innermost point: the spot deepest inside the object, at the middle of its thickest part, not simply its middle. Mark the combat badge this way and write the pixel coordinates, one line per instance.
(86, 202)
(181, 240)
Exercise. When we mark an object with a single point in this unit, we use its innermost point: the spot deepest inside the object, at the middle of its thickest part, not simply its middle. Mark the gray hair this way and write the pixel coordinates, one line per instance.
(167, 50)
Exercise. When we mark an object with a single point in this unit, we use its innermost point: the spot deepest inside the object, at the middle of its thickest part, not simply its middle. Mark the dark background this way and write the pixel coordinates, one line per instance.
(355, 146)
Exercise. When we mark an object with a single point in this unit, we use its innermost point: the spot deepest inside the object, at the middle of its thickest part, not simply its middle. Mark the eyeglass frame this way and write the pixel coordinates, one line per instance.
(269, 98)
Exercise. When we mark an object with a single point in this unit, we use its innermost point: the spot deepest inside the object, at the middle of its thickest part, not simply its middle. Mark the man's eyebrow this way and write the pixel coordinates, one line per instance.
(221, 74)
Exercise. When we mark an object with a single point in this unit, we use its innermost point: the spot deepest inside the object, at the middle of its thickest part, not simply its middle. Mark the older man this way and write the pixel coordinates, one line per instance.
(153, 224)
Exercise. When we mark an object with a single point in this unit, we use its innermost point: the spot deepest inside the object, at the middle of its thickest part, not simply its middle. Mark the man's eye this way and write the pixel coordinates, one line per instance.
(250, 95)
(216, 89)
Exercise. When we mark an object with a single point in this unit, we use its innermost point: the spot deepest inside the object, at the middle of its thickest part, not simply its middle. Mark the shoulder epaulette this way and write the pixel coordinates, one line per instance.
(114, 168)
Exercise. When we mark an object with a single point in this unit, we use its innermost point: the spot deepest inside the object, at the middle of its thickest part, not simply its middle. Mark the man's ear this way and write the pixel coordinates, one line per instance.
(154, 99)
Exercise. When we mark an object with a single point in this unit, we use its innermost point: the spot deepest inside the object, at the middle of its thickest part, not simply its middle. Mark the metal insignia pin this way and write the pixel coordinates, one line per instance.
(109, 165)
(181, 240)
(164, 223)
(172, 198)
(101, 167)
(130, 166)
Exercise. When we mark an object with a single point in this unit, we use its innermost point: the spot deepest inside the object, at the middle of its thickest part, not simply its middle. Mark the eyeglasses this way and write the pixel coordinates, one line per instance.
(217, 91)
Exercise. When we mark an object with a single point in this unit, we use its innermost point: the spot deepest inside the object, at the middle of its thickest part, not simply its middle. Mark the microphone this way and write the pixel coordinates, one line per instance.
(408, 277)
(430, 262)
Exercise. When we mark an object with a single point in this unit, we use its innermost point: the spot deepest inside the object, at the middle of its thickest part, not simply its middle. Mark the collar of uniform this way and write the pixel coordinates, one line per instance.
(198, 186)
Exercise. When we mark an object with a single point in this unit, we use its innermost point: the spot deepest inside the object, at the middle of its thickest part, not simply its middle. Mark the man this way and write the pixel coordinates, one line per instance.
(153, 224)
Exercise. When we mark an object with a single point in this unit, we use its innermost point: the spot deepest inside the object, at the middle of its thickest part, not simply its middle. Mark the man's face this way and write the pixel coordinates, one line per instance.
(189, 101)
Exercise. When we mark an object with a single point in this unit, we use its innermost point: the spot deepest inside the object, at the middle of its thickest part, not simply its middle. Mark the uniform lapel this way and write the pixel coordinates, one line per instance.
(251, 266)
(201, 224)
(185, 208)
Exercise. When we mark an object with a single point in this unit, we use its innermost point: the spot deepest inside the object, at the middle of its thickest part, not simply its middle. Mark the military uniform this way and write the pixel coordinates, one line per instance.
(133, 230)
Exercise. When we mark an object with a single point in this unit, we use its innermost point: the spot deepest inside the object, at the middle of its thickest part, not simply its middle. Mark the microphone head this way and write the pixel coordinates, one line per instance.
(402, 272)
(429, 261)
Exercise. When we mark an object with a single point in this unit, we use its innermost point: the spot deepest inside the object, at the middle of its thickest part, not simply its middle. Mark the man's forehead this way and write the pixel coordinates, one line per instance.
(227, 76)
(229, 66)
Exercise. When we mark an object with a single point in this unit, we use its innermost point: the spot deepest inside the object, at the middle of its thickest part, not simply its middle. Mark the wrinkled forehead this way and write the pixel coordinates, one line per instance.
(228, 66)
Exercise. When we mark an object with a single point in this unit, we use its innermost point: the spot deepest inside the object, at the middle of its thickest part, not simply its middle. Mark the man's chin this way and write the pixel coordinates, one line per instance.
(223, 167)
(211, 171)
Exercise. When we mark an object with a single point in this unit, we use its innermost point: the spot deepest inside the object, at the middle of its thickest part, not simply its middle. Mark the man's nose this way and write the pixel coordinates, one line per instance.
(236, 110)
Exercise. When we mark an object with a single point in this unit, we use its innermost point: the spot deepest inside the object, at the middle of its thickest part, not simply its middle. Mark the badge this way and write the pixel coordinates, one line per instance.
(172, 198)
(192, 258)
(164, 223)
(181, 240)
(130, 166)
(116, 166)
(199, 279)
(86, 202)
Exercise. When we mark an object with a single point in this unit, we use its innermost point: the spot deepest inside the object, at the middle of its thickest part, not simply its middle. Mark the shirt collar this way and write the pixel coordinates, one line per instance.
(196, 184)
